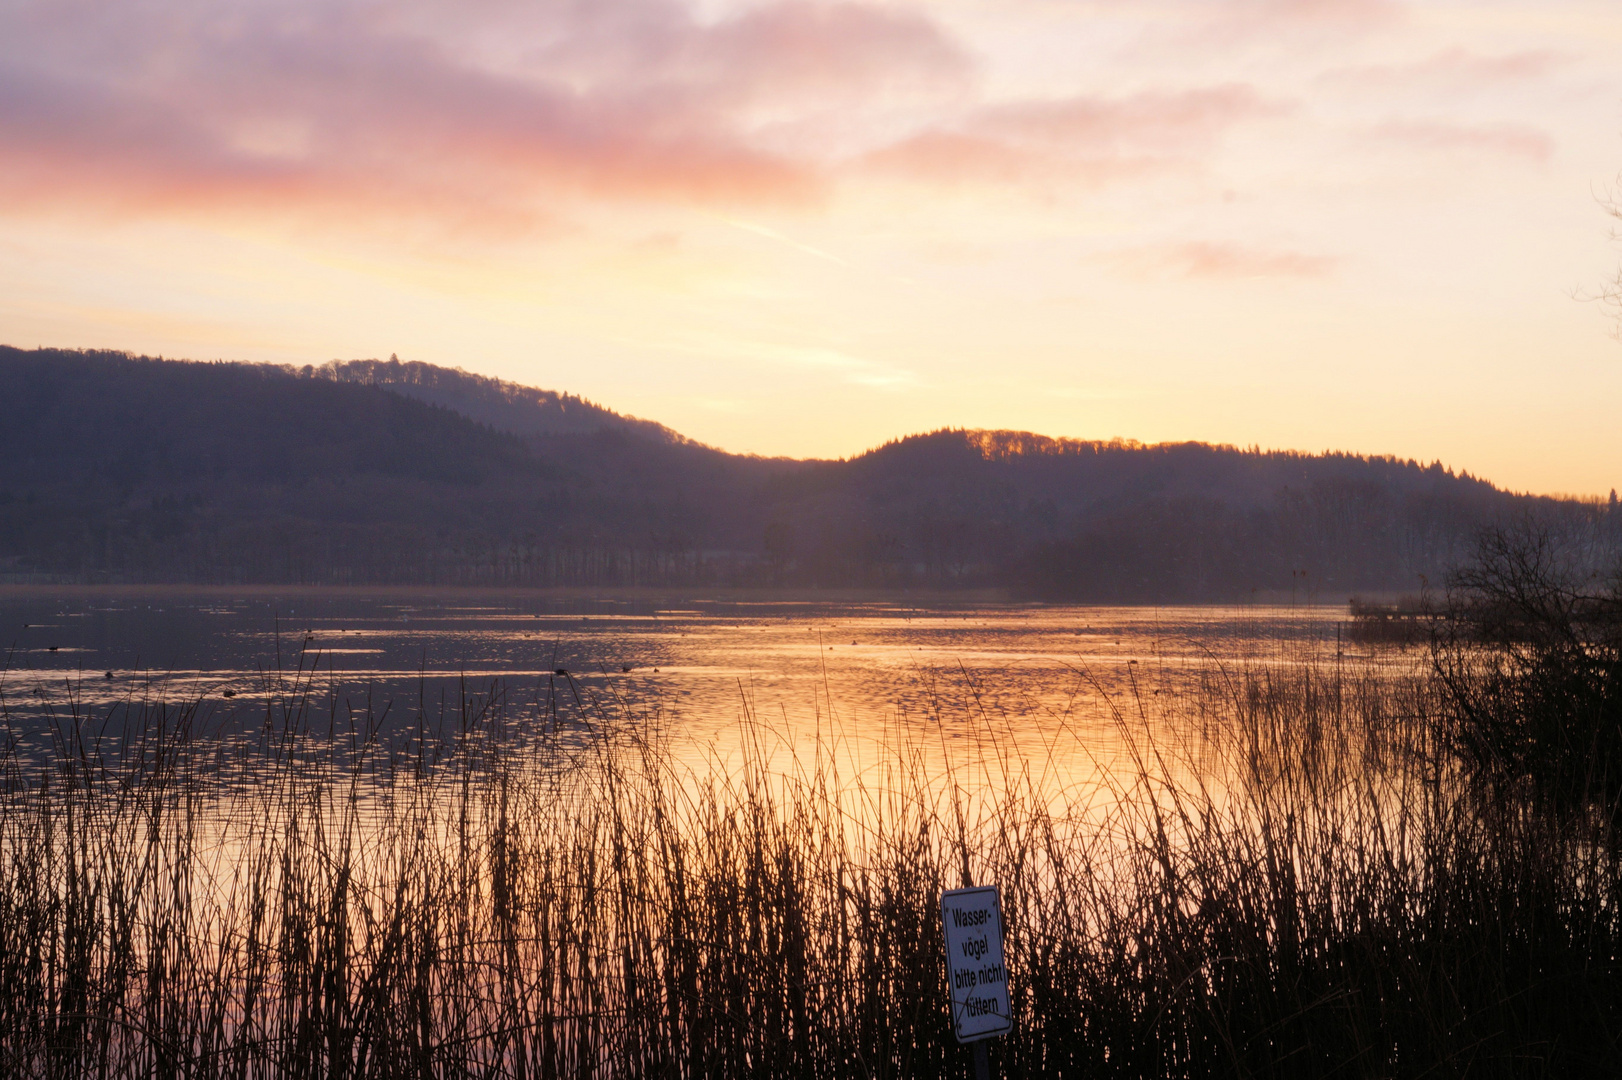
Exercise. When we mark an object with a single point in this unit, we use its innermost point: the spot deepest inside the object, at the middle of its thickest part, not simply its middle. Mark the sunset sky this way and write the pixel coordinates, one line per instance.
(805, 228)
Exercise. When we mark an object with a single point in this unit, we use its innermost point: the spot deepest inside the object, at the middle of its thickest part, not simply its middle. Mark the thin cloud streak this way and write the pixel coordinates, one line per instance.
(773, 234)
(834, 363)
(1453, 69)
(1276, 24)
(1501, 139)
(1091, 140)
(1219, 261)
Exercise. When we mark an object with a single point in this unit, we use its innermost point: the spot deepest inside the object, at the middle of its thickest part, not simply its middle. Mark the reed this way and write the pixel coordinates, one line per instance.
(1300, 883)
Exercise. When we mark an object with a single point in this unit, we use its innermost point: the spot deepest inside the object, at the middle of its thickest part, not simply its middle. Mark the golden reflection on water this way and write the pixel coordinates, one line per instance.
(1047, 694)
(870, 720)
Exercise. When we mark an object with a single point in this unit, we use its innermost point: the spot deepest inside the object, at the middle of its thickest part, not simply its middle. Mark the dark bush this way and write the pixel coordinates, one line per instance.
(1529, 649)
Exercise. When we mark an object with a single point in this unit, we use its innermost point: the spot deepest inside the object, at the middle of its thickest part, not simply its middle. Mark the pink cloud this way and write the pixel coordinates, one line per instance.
(1502, 139)
(1090, 139)
(822, 48)
(1269, 24)
(1149, 119)
(1323, 10)
(1456, 69)
(327, 106)
(950, 156)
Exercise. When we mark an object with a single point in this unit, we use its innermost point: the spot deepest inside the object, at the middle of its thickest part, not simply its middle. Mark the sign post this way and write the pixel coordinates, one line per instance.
(975, 972)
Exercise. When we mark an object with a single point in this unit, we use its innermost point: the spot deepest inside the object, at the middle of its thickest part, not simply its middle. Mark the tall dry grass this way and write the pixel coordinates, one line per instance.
(1289, 879)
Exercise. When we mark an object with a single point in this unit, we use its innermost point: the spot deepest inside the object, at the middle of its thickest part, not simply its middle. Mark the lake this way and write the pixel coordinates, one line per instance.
(1050, 683)
(1165, 798)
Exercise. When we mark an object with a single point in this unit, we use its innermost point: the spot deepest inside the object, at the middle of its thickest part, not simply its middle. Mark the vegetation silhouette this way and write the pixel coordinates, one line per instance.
(1528, 642)
(1312, 886)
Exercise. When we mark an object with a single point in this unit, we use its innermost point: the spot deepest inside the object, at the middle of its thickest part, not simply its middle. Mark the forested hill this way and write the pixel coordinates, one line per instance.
(505, 406)
(122, 468)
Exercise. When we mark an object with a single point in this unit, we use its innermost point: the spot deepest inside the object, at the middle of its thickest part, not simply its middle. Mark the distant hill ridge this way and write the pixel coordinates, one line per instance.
(996, 444)
(127, 468)
(505, 406)
(1103, 472)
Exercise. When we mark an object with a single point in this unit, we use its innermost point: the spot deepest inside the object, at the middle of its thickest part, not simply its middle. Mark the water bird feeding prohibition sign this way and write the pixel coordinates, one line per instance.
(974, 963)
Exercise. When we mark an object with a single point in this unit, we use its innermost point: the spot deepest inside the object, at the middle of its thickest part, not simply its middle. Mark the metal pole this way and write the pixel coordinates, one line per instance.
(982, 1060)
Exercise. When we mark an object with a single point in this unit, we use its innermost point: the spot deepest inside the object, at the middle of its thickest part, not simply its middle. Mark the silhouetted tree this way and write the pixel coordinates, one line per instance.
(1530, 651)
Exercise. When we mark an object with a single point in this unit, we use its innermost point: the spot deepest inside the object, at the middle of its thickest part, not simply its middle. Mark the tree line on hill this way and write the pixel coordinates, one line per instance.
(134, 469)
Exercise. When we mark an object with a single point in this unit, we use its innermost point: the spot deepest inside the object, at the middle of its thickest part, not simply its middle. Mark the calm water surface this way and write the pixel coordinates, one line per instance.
(1045, 680)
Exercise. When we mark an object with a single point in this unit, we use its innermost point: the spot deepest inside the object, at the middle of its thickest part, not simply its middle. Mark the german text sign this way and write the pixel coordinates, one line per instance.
(974, 963)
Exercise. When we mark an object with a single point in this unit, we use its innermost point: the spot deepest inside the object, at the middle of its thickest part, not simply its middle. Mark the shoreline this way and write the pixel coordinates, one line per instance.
(939, 598)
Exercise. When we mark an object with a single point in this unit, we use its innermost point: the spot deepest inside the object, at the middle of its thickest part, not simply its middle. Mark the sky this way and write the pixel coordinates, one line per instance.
(804, 228)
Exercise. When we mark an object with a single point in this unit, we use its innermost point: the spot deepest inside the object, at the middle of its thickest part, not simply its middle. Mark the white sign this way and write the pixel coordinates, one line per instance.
(974, 963)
